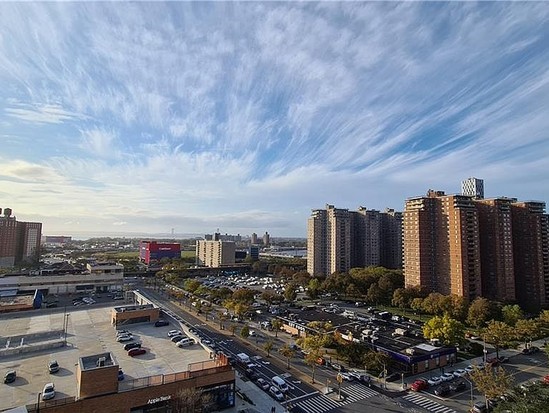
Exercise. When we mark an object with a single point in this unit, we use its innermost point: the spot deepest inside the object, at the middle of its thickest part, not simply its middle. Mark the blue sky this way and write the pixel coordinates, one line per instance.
(143, 117)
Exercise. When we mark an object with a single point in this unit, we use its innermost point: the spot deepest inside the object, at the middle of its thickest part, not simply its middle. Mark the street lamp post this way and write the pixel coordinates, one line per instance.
(471, 387)
(38, 403)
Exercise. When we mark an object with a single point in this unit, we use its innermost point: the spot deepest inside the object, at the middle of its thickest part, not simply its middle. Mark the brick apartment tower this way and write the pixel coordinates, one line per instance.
(339, 239)
(531, 255)
(19, 241)
(496, 246)
(441, 244)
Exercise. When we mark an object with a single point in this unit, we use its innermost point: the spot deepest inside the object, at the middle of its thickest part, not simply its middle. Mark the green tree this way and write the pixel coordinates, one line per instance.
(268, 346)
(245, 332)
(244, 296)
(311, 346)
(289, 292)
(375, 294)
(401, 299)
(313, 288)
(376, 362)
(446, 329)
(191, 285)
(287, 352)
(498, 333)
(434, 304)
(277, 324)
(511, 314)
(526, 330)
(352, 352)
(479, 312)
(233, 329)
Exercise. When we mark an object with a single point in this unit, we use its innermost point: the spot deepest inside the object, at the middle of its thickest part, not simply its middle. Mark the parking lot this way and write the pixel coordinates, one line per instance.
(89, 331)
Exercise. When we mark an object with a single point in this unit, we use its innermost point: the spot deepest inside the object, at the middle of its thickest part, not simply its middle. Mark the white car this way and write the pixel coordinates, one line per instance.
(48, 392)
(173, 333)
(277, 394)
(460, 373)
(469, 369)
(124, 338)
(447, 377)
(263, 384)
(434, 381)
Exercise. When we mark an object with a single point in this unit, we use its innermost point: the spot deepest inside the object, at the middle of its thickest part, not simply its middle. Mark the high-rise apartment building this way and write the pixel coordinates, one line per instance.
(339, 239)
(473, 187)
(215, 253)
(496, 246)
(254, 239)
(531, 255)
(266, 239)
(441, 244)
(19, 241)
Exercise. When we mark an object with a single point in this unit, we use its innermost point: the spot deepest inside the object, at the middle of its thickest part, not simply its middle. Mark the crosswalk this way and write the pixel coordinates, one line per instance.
(427, 404)
(321, 403)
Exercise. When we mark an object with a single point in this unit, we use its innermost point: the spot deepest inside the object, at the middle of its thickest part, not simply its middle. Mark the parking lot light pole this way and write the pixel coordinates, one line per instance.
(38, 403)
(471, 387)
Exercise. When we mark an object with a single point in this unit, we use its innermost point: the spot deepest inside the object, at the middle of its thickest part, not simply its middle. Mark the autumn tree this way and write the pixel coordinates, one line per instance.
(312, 346)
(526, 330)
(289, 292)
(191, 285)
(376, 361)
(245, 332)
(492, 382)
(446, 329)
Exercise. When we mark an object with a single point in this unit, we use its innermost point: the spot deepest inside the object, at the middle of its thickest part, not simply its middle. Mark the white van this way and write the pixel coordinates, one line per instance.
(279, 383)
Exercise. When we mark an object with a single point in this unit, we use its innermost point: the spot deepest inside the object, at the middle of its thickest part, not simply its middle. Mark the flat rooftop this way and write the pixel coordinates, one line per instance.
(89, 333)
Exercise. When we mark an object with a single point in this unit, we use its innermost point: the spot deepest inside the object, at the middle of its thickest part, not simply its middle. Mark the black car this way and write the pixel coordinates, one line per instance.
(10, 376)
(129, 346)
(161, 323)
(458, 386)
(442, 390)
(251, 375)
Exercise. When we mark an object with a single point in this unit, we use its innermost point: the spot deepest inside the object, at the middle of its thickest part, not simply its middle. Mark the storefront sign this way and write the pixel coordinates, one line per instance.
(159, 399)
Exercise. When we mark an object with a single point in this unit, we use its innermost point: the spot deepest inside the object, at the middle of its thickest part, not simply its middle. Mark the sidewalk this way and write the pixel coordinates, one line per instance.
(260, 401)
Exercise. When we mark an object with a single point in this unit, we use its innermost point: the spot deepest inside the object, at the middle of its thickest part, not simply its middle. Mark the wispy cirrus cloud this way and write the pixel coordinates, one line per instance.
(219, 114)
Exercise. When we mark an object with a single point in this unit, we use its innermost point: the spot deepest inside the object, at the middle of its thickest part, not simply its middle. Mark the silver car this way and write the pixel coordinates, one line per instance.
(48, 392)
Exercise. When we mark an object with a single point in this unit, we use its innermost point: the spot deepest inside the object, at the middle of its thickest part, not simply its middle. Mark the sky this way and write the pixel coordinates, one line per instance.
(197, 116)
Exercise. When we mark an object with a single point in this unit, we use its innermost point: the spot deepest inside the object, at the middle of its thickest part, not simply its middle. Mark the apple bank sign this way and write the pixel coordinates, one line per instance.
(159, 399)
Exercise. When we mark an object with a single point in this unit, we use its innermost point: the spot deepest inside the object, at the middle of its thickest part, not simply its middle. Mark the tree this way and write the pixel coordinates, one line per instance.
(289, 292)
(376, 361)
(492, 382)
(511, 314)
(311, 346)
(244, 296)
(313, 288)
(434, 304)
(400, 298)
(269, 297)
(498, 333)
(352, 352)
(277, 324)
(479, 312)
(233, 328)
(268, 346)
(191, 285)
(374, 295)
(190, 400)
(287, 352)
(446, 329)
(526, 330)
(245, 332)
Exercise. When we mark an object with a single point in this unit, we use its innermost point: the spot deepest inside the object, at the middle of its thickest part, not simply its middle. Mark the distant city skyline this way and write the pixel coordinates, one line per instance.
(143, 117)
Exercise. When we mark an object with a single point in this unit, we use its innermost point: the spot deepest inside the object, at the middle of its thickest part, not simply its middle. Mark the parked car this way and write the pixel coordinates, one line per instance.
(442, 390)
(185, 341)
(447, 377)
(129, 346)
(120, 375)
(460, 373)
(434, 381)
(338, 367)
(277, 394)
(48, 392)
(177, 338)
(122, 332)
(262, 383)
(136, 352)
(10, 376)
(347, 376)
(419, 385)
(479, 407)
(173, 333)
(161, 323)
(124, 338)
(459, 385)
(53, 366)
